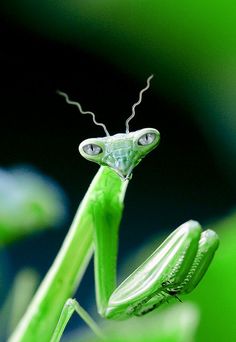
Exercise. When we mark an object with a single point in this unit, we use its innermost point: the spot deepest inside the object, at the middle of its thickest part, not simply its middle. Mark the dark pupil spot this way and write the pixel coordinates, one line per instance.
(92, 149)
(146, 139)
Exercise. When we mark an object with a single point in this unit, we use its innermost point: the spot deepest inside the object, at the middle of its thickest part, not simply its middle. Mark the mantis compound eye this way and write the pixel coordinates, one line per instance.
(146, 139)
(92, 149)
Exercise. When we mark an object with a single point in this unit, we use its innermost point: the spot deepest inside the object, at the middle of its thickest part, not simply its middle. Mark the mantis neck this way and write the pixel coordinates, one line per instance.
(106, 212)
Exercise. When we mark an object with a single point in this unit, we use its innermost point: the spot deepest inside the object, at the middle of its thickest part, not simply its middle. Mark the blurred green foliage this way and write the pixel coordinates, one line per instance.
(15, 304)
(29, 202)
(215, 294)
(175, 324)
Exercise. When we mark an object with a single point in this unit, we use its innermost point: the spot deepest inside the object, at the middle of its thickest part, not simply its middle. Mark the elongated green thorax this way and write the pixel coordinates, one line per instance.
(106, 210)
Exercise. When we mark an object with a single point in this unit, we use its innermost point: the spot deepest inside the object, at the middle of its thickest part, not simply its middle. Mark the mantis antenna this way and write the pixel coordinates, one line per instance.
(137, 103)
(78, 105)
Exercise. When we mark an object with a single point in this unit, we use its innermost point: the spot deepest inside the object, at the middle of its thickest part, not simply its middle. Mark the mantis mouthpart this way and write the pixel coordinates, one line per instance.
(174, 268)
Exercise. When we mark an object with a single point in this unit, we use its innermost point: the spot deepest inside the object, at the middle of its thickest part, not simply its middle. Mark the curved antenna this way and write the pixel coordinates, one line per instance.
(137, 103)
(78, 105)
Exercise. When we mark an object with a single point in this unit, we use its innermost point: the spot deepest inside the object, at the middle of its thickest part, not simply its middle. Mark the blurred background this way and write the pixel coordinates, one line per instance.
(101, 53)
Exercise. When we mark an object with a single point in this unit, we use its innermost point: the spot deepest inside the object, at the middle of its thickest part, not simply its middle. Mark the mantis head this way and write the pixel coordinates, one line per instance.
(121, 152)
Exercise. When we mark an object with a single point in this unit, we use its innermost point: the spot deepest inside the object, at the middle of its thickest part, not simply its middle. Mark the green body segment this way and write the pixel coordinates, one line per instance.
(68, 268)
(106, 210)
(172, 258)
(207, 246)
(176, 267)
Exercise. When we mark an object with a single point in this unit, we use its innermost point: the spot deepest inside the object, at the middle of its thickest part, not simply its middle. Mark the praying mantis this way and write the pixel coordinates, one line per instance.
(173, 269)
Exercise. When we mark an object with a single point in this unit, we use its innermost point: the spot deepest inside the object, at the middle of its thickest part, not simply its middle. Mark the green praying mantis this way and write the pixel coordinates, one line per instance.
(173, 269)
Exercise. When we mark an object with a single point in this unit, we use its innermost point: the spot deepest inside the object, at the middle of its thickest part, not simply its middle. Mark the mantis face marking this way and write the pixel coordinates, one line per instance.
(121, 152)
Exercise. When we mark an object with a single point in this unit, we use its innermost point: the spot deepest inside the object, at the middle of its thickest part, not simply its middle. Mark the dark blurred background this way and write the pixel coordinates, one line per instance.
(101, 55)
